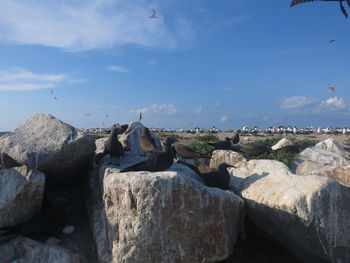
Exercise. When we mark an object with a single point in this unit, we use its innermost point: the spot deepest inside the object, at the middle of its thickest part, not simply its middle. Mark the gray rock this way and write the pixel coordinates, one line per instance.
(21, 195)
(165, 217)
(51, 146)
(225, 156)
(131, 138)
(309, 215)
(24, 250)
(281, 144)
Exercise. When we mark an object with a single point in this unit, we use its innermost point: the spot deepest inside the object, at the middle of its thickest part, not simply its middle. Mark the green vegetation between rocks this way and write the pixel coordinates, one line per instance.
(206, 138)
(201, 147)
(96, 136)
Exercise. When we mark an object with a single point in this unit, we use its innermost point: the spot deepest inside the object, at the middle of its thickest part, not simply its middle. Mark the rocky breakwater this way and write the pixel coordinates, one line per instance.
(308, 215)
(166, 216)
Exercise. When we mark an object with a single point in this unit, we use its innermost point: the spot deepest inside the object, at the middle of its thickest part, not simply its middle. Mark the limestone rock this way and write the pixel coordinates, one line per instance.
(332, 146)
(229, 157)
(51, 146)
(130, 139)
(167, 217)
(320, 156)
(282, 143)
(339, 173)
(21, 195)
(100, 145)
(24, 250)
(308, 215)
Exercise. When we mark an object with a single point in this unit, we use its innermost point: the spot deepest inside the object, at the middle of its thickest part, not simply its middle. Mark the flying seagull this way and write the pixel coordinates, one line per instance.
(331, 88)
(87, 114)
(154, 14)
(332, 41)
(295, 2)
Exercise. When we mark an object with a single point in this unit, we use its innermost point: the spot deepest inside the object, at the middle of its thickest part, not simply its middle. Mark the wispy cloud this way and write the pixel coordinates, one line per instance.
(167, 109)
(198, 110)
(296, 102)
(217, 104)
(224, 118)
(17, 78)
(86, 25)
(334, 103)
(152, 61)
(116, 68)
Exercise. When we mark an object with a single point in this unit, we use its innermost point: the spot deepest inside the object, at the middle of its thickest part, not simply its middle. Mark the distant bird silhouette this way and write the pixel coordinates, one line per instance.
(255, 150)
(147, 142)
(184, 152)
(221, 145)
(140, 116)
(331, 88)
(159, 161)
(219, 178)
(87, 114)
(55, 98)
(235, 137)
(154, 14)
(106, 115)
(295, 2)
(7, 162)
(332, 41)
(112, 146)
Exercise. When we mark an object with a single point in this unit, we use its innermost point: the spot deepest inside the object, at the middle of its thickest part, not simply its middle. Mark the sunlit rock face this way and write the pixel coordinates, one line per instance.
(167, 216)
(333, 146)
(21, 195)
(225, 156)
(327, 158)
(281, 144)
(51, 146)
(309, 215)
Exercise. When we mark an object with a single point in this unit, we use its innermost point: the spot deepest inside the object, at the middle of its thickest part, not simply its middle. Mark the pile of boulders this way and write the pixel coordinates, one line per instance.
(172, 216)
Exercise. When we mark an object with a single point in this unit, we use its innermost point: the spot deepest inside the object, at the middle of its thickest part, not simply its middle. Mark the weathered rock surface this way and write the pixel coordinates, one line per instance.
(282, 143)
(333, 146)
(21, 195)
(308, 215)
(320, 156)
(225, 156)
(24, 250)
(51, 146)
(130, 139)
(100, 145)
(167, 216)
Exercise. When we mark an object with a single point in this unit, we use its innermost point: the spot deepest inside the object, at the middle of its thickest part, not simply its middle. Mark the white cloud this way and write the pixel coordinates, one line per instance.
(82, 25)
(17, 78)
(334, 103)
(116, 68)
(224, 118)
(296, 102)
(198, 110)
(217, 104)
(167, 109)
(152, 61)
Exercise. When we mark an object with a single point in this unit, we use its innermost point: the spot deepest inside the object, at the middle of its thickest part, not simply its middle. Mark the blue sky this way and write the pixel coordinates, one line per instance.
(200, 63)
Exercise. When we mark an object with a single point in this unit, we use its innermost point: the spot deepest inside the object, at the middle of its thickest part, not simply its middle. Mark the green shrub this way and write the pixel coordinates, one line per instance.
(346, 142)
(201, 147)
(96, 136)
(163, 135)
(280, 155)
(307, 143)
(206, 138)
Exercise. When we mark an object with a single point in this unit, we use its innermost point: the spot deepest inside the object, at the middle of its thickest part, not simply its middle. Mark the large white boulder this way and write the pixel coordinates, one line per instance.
(51, 146)
(167, 216)
(309, 215)
(225, 156)
(333, 146)
(21, 195)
